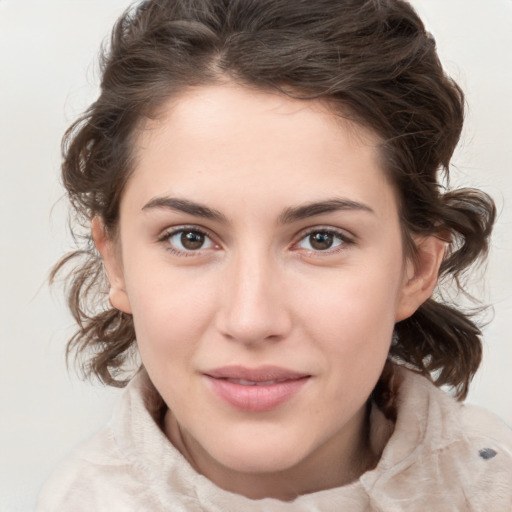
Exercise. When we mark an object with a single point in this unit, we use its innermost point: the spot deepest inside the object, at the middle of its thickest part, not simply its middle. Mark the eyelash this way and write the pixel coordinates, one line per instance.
(166, 237)
(344, 240)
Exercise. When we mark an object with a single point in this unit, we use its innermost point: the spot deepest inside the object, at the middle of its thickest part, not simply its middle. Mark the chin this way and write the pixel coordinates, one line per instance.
(265, 456)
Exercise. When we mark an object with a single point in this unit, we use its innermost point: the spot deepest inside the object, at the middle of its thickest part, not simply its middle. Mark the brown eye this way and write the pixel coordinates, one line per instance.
(321, 241)
(188, 240)
(192, 240)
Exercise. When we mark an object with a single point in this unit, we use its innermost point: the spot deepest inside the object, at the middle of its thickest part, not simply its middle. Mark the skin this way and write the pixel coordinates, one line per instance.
(257, 291)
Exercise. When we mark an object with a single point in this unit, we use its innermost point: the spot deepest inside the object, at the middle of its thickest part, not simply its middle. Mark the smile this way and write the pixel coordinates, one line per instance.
(255, 390)
(244, 382)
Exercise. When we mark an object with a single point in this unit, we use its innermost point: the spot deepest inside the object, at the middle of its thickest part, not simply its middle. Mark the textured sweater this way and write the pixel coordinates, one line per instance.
(439, 456)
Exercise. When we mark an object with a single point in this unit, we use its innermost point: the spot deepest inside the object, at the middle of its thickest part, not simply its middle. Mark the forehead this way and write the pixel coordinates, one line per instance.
(209, 139)
(230, 109)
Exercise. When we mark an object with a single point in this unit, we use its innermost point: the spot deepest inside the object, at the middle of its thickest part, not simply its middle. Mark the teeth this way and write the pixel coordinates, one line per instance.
(244, 382)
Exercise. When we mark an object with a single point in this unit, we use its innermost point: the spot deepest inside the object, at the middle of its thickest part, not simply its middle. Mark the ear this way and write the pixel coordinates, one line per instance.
(113, 265)
(421, 275)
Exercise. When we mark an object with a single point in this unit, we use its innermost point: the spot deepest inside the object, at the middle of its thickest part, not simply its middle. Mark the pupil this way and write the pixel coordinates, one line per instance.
(192, 240)
(321, 241)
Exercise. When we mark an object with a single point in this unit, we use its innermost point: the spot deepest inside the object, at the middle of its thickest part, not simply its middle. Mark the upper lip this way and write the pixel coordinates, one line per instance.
(259, 374)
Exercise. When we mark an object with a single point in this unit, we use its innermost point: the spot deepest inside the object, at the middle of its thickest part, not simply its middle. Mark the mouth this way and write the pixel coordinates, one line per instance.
(255, 389)
(244, 382)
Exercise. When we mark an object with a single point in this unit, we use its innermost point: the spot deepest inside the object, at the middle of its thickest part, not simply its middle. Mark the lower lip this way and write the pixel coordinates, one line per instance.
(256, 398)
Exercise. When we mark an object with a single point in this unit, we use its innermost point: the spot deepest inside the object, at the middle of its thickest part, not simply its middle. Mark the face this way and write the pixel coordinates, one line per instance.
(260, 254)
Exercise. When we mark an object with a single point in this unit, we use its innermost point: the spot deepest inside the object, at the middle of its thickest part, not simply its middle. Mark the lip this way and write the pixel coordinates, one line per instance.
(255, 389)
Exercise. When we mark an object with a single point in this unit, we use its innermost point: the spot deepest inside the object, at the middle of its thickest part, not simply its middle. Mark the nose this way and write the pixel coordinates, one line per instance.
(254, 307)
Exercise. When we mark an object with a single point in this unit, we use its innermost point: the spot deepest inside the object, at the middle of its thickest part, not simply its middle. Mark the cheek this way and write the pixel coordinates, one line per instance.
(353, 341)
(351, 317)
(170, 316)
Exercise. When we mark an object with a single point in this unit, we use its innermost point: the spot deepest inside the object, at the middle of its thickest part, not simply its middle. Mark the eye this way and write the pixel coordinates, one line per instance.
(188, 240)
(322, 240)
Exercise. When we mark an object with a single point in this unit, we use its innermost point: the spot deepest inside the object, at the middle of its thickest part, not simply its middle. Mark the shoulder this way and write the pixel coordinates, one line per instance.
(442, 420)
(487, 458)
(95, 476)
(103, 474)
(480, 425)
(129, 465)
(471, 446)
(444, 454)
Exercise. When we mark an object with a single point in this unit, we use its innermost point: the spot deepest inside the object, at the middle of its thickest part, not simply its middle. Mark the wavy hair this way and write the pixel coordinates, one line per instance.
(371, 60)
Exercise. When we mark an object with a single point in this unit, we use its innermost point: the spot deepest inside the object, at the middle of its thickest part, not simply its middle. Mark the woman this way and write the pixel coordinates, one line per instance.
(262, 182)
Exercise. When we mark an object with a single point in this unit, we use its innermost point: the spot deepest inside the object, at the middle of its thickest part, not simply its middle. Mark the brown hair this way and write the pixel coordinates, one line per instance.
(372, 60)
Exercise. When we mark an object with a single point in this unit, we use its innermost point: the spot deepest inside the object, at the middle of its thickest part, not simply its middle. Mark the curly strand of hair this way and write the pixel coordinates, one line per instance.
(435, 334)
(440, 337)
(102, 346)
(103, 341)
(469, 215)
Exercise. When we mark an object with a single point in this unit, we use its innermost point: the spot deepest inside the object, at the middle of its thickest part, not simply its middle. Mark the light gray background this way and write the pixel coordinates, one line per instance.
(47, 77)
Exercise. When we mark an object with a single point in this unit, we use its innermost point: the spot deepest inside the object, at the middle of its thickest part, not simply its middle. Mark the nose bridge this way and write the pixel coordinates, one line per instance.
(253, 306)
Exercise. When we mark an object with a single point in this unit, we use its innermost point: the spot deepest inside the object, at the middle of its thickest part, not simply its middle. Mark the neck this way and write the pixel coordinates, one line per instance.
(339, 461)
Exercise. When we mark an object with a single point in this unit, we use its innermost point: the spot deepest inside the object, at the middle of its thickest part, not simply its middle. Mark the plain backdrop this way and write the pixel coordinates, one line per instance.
(48, 75)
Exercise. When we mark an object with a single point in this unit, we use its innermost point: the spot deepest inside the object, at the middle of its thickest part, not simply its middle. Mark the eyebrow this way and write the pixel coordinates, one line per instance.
(185, 206)
(317, 208)
(288, 216)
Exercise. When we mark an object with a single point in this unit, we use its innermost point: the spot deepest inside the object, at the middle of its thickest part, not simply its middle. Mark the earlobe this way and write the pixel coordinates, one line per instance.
(113, 266)
(421, 276)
